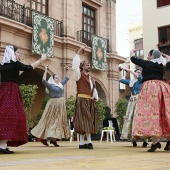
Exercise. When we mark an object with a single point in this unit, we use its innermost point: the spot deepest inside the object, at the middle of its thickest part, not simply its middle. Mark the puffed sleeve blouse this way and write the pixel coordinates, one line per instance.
(55, 91)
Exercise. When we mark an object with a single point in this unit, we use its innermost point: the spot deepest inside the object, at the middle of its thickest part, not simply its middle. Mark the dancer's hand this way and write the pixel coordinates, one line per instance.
(46, 67)
(120, 68)
(81, 51)
(126, 69)
(95, 100)
(132, 52)
(43, 57)
(167, 57)
(67, 67)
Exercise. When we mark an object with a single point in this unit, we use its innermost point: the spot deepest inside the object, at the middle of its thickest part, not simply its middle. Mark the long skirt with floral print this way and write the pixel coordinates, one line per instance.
(152, 118)
(128, 119)
(53, 123)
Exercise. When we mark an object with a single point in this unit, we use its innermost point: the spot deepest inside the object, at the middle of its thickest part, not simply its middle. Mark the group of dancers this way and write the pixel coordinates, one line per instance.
(148, 113)
(147, 116)
(53, 123)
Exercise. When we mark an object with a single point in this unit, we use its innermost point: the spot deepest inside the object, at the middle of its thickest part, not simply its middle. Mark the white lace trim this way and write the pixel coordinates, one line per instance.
(9, 55)
(160, 60)
(51, 81)
(132, 82)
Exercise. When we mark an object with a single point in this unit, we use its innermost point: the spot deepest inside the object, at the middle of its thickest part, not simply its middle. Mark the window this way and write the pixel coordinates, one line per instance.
(139, 53)
(164, 35)
(88, 22)
(163, 3)
(164, 39)
(39, 6)
(139, 45)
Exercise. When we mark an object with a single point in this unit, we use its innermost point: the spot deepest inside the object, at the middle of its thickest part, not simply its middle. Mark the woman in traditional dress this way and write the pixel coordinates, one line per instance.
(53, 123)
(135, 87)
(152, 118)
(13, 130)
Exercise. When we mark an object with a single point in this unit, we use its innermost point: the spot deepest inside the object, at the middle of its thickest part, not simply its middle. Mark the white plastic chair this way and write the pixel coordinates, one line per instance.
(111, 132)
(72, 132)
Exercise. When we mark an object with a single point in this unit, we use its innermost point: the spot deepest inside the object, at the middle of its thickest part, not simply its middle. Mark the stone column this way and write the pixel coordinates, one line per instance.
(111, 23)
(113, 80)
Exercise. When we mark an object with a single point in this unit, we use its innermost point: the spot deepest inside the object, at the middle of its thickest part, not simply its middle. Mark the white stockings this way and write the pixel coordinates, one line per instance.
(88, 136)
(3, 144)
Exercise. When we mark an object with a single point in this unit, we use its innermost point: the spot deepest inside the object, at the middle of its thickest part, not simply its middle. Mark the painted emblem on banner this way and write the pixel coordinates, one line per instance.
(43, 35)
(99, 52)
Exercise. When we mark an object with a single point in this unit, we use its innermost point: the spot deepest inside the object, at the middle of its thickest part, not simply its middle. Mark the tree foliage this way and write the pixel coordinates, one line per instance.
(101, 112)
(107, 112)
(120, 109)
(70, 106)
(28, 93)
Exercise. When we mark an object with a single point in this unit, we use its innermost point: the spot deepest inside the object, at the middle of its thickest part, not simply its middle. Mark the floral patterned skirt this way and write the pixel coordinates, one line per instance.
(53, 122)
(152, 118)
(128, 119)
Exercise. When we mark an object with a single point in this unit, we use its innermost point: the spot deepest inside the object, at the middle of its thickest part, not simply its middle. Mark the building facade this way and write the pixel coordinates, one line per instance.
(74, 23)
(156, 25)
(136, 42)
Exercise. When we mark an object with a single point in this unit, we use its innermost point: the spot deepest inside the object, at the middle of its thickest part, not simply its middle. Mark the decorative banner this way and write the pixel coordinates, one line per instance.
(99, 51)
(43, 34)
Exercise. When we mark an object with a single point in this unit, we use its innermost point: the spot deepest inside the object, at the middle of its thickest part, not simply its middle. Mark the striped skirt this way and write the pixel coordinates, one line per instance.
(85, 117)
(128, 119)
(152, 118)
(53, 123)
(12, 116)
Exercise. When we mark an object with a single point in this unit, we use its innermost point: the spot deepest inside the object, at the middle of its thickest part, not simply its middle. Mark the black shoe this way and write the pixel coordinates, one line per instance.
(134, 143)
(145, 144)
(83, 146)
(6, 151)
(90, 146)
(167, 147)
(44, 142)
(154, 147)
(54, 143)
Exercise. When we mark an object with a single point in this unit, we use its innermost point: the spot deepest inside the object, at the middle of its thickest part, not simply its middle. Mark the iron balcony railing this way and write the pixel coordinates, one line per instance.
(10, 9)
(86, 37)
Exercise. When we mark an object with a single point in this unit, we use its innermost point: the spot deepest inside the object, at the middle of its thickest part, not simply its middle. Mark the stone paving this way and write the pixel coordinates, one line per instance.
(105, 156)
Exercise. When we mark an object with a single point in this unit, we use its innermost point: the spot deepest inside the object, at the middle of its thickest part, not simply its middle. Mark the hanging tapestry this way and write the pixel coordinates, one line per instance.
(99, 52)
(43, 35)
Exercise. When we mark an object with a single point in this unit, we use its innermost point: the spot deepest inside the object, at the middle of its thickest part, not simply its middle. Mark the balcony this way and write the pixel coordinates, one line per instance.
(22, 14)
(86, 37)
(164, 47)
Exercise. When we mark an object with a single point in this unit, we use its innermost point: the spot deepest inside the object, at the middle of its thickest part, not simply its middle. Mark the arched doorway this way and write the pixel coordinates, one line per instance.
(101, 91)
(35, 77)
